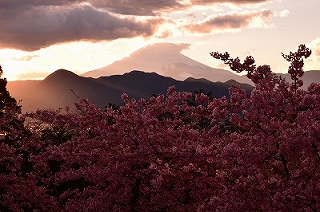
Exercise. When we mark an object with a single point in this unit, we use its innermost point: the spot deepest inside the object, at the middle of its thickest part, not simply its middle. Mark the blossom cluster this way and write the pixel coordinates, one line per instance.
(174, 152)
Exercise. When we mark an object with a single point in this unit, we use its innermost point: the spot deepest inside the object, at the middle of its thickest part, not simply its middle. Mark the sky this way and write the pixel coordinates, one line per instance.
(38, 37)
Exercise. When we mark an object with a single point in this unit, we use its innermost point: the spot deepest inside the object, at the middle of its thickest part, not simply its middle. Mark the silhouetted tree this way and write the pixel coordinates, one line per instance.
(10, 121)
(6, 101)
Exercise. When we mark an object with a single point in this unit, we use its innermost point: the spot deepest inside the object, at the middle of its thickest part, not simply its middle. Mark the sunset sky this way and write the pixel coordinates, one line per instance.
(38, 37)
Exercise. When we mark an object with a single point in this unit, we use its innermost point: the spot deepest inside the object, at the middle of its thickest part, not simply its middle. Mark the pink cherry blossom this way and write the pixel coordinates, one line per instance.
(173, 152)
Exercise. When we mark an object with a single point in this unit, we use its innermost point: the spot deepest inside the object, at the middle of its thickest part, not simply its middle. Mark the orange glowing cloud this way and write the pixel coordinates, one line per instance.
(230, 21)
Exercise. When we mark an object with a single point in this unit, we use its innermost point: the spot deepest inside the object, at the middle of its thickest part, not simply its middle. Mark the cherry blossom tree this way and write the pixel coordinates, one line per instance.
(173, 152)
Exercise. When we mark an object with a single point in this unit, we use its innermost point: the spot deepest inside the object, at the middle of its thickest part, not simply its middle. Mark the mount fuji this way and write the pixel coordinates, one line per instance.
(167, 60)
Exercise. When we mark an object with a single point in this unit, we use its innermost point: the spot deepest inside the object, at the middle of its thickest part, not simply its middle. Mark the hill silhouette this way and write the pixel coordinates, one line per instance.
(62, 88)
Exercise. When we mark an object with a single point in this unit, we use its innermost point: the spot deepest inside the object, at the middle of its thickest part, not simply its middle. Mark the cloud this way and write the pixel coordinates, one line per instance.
(44, 26)
(231, 21)
(140, 7)
(283, 13)
(33, 24)
(147, 7)
(126, 7)
(26, 57)
(32, 75)
(238, 2)
(313, 62)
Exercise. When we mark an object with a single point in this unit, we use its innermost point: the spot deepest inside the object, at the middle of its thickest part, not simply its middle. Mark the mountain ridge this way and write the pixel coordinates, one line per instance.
(63, 88)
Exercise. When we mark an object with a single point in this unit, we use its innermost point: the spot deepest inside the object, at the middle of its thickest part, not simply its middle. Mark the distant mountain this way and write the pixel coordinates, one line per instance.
(166, 59)
(62, 88)
(308, 77)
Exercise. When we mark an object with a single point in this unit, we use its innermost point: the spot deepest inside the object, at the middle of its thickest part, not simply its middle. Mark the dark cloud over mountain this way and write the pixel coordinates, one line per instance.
(33, 24)
(42, 27)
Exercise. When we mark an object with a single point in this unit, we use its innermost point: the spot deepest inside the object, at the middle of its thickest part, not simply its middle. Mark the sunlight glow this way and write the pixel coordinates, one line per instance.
(78, 57)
